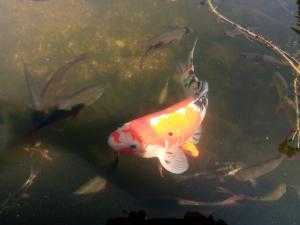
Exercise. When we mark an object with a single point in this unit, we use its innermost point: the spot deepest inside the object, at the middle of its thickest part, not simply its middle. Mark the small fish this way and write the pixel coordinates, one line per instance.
(288, 106)
(164, 93)
(281, 87)
(233, 200)
(35, 98)
(172, 35)
(186, 74)
(47, 98)
(263, 59)
(95, 185)
(251, 173)
(51, 89)
(85, 96)
(236, 32)
(271, 196)
(166, 134)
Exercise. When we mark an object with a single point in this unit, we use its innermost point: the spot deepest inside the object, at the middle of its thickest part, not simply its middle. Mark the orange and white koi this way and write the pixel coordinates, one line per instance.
(166, 134)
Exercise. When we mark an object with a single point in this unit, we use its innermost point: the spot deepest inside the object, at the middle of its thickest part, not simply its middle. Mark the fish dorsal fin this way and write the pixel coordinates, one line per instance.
(174, 160)
(196, 136)
(189, 148)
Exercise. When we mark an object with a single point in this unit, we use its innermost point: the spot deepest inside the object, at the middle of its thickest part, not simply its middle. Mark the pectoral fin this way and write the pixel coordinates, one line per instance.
(190, 148)
(173, 160)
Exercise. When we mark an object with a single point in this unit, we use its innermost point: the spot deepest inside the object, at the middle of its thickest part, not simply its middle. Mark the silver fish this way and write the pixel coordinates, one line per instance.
(95, 185)
(250, 173)
(274, 195)
(35, 99)
(51, 89)
(164, 93)
(263, 59)
(281, 85)
(85, 96)
(172, 35)
(233, 200)
(186, 74)
(288, 106)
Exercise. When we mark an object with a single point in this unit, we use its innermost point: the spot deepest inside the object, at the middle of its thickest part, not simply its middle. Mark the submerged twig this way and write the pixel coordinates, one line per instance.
(294, 63)
(290, 59)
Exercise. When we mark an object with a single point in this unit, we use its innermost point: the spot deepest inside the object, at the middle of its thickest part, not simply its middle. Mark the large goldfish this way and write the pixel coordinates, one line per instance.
(167, 134)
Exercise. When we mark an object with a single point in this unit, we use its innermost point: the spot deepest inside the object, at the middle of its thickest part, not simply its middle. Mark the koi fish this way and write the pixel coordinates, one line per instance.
(281, 87)
(263, 59)
(46, 99)
(186, 75)
(172, 35)
(167, 134)
(227, 202)
(289, 108)
(35, 99)
(271, 196)
(85, 96)
(252, 172)
(52, 87)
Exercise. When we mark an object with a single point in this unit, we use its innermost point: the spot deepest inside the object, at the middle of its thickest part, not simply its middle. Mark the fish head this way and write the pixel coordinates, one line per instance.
(125, 140)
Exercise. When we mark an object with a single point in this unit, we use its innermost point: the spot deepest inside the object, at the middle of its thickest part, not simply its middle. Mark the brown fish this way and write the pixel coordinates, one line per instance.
(273, 195)
(233, 200)
(250, 173)
(288, 106)
(164, 93)
(281, 86)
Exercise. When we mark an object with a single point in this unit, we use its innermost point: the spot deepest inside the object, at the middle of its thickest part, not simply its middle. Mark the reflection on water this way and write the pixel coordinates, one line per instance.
(241, 130)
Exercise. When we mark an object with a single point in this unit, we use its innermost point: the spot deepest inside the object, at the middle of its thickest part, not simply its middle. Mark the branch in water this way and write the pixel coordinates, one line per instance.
(290, 59)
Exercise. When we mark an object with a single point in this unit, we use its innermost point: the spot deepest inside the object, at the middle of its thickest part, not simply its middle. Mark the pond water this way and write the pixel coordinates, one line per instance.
(241, 124)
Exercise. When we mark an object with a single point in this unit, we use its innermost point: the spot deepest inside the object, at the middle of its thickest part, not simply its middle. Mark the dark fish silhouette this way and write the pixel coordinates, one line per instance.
(263, 59)
(51, 89)
(250, 173)
(172, 35)
(55, 117)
